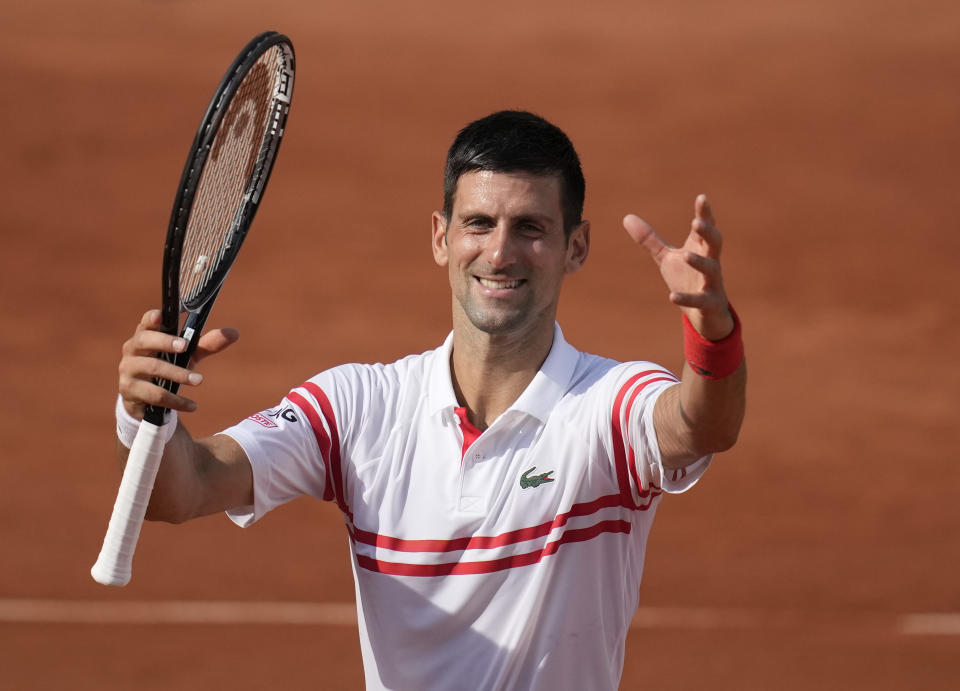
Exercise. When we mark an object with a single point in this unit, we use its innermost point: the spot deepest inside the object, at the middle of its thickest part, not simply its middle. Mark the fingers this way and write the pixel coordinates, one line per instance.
(704, 236)
(140, 367)
(137, 385)
(698, 301)
(707, 308)
(151, 319)
(703, 210)
(692, 272)
(703, 229)
(139, 393)
(710, 285)
(711, 242)
(146, 341)
(709, 267)
(150, 368)
(644, 235)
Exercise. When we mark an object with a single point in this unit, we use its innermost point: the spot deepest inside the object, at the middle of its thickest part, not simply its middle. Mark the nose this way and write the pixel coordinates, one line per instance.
(501, 247)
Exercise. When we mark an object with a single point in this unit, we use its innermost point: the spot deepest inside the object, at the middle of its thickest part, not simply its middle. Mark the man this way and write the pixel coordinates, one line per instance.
(498, 491)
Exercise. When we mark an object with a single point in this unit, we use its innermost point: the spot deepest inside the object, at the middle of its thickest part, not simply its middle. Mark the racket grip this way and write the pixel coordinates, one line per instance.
(114, 566)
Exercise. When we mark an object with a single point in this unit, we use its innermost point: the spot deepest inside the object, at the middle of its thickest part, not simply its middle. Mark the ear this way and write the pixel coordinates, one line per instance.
(439, 238)
(578, 247)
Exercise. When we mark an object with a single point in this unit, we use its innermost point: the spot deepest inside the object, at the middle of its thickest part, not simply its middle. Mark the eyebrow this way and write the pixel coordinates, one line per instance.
(475, 216)
(535, 218)
(542, 219)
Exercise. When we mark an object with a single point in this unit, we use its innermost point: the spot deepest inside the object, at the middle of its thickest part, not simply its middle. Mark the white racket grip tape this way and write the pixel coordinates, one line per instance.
(115, 564)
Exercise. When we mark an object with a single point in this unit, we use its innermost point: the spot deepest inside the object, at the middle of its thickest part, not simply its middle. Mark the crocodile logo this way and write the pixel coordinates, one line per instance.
(536, 480)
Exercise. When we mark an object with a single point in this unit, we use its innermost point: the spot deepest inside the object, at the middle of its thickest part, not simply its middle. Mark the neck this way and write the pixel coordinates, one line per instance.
(490, 371)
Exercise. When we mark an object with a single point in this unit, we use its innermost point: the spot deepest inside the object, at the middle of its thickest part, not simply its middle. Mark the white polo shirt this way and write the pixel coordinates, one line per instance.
(508, 561)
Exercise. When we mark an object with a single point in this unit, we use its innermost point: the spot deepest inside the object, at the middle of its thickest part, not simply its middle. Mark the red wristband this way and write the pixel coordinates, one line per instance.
(713, 359)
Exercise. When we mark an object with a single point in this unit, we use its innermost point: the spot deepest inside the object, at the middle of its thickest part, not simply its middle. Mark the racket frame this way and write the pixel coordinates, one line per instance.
(172, 306)
(114, 564)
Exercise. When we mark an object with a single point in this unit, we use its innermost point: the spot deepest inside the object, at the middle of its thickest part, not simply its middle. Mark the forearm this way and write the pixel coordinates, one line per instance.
(700, 416)
(712, 410)
(178, 481)
(703, 414)
(195, 477)
(198, 477)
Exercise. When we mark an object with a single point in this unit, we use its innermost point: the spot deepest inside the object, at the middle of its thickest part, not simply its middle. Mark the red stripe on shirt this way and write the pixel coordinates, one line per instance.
(327, 410)
(398, 544)
(323, 441)
(478, 567)
(631, 456)
(619, 445)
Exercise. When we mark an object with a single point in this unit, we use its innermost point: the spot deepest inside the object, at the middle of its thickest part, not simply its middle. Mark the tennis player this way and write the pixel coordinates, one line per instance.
(499, 489)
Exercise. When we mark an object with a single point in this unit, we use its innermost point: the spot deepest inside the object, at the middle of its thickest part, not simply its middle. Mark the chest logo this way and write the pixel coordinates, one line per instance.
(536, 480)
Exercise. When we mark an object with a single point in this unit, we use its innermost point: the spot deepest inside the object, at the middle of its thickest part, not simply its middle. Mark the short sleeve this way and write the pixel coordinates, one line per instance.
(638, 387)
(284, 446)
(670, 480)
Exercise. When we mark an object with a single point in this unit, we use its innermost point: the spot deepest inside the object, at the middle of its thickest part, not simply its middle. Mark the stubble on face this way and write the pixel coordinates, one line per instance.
(506, 251)
(497, 316)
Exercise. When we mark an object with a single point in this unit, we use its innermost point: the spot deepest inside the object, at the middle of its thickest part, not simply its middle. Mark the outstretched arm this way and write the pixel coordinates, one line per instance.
(703, 413)
(196, 477)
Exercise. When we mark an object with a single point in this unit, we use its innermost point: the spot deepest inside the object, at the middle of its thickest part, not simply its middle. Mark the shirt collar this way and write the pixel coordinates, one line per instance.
(538, 399)
(440, 395)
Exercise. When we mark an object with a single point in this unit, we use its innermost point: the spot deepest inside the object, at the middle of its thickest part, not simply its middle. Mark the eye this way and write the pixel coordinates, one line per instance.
(478, 223)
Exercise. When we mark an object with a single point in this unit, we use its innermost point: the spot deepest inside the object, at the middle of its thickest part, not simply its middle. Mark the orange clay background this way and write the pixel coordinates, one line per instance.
(824, 132)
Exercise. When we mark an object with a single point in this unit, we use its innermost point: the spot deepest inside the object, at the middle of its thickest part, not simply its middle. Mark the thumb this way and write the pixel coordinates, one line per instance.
(644, 235)
(214, 342)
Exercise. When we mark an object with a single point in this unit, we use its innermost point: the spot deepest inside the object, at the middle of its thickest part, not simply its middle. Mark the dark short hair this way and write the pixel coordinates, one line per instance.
(511, 141)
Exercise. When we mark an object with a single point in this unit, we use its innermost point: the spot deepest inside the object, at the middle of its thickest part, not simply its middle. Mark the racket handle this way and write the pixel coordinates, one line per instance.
(115, 564)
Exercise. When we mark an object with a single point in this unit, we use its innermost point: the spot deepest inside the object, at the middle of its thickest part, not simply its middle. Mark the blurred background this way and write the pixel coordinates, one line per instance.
(821, 552)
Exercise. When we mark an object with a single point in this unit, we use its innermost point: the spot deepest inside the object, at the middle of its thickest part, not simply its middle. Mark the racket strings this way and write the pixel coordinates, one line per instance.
(224, 184)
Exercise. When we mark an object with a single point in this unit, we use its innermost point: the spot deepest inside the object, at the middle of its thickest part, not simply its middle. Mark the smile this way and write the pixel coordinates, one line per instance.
(499, 284)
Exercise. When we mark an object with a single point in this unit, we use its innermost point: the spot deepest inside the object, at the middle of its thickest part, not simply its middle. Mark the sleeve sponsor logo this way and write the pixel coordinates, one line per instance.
(286, 413)
(262, 421)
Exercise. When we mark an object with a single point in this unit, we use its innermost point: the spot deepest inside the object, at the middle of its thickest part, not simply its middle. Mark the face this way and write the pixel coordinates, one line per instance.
(505, 251)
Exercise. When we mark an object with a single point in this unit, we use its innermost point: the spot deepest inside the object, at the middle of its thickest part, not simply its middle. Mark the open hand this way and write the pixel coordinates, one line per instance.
(692, 272)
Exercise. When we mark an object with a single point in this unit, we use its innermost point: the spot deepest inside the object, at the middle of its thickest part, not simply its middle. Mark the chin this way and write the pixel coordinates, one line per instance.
(494, 324)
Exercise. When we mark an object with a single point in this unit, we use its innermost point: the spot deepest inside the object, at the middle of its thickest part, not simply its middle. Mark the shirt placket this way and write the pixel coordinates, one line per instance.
(473, 495)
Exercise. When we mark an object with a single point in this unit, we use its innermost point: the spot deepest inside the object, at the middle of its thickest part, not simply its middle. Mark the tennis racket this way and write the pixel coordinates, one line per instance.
(219, 193)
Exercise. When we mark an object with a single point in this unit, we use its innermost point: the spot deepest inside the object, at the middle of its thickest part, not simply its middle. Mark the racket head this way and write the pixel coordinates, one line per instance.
(222, 184)
(226, 171)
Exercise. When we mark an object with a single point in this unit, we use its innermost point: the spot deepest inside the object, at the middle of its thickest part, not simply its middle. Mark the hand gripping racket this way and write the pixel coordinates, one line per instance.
(221, 187)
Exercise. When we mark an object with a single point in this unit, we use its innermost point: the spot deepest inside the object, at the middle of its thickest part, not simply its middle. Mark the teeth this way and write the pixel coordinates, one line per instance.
(499, 285)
